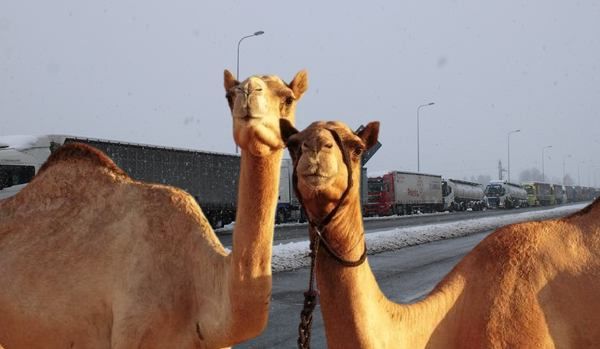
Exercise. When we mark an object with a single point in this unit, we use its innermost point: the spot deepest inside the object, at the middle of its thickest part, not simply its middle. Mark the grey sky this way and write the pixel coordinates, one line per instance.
(151, 72)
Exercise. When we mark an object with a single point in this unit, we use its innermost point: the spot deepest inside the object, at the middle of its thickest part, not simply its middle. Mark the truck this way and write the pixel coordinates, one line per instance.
(539, 193)
(211, 178)
(560, 194)
(459, 195)
(399, 193)
(288, 206)
(503, 194)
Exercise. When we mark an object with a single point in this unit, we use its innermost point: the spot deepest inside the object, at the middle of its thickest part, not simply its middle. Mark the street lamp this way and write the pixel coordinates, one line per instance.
(508, 136)
(579, 172)
(564, 158)
(237, 71)
(543, 170)
(418, 155)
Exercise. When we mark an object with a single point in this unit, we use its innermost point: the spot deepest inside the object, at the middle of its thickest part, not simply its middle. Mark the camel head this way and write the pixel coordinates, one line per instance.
(257, 104)
(322, 173)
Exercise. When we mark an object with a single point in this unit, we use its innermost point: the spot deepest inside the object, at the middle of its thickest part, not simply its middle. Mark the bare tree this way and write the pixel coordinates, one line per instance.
(532, 174)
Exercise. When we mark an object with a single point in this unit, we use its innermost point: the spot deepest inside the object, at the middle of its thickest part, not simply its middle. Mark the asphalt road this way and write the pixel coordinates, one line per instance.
(404, 275)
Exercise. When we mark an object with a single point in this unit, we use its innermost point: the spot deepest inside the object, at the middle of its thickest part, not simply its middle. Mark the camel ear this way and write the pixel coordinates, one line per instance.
(229, 80)
(299, 84)
(369, 134)
(287, 130)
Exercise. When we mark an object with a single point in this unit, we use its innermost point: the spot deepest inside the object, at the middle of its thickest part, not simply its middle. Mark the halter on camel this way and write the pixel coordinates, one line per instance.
(316, 238)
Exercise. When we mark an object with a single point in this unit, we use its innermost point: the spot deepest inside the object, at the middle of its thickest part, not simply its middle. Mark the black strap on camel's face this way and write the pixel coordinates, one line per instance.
(316, 230)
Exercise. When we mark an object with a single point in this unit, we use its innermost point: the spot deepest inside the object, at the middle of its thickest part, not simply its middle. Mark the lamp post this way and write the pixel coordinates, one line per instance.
(237, 71)
(579, 172)
(508, 142)
(543, 170)
(564, 174)
(418, 150)
(237, 66)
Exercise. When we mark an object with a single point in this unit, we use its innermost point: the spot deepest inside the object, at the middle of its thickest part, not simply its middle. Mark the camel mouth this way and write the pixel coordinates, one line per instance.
(249, 117)
(316, 179)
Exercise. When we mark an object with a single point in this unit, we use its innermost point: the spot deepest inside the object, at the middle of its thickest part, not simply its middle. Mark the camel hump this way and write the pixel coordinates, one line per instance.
(72, 152)
(595, 205)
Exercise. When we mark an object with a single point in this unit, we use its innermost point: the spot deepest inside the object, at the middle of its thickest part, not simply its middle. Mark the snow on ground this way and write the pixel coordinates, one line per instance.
(293, 255)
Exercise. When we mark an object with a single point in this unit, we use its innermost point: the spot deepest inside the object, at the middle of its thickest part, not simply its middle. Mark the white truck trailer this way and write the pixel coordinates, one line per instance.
(462, 195)
(502, 194)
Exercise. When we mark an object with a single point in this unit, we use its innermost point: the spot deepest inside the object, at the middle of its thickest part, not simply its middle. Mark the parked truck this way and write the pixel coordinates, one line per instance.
(539, 193)
(401, 193)
(461, 195)
(288, 206)
(560, 194)
(211, 178)
(502, 194)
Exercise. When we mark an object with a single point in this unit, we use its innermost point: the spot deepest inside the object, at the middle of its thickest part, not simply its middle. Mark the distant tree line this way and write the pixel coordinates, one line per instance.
(535, 175)
(529, 175)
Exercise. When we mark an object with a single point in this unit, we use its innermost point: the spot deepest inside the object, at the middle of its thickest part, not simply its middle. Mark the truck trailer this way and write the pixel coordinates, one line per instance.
(560, 194)
(211, 178)
(288, 206)
(502, 194)
(462, 195)
(539, 193)
(402, 193)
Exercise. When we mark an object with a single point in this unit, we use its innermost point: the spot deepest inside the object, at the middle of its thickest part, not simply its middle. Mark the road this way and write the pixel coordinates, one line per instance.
(294, 232)
(404, 275)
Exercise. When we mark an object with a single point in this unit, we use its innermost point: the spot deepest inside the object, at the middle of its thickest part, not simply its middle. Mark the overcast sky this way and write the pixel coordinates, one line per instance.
(152, 71)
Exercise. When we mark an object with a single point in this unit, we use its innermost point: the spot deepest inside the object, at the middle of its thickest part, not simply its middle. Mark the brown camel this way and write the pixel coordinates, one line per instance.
(90, 258)
(529, 285)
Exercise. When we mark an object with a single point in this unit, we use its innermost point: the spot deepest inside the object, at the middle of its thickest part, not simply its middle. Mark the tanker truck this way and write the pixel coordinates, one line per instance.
(462, 195)
(504, 194)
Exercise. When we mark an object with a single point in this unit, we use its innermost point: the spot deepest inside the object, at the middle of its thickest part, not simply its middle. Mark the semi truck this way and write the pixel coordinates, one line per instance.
(211, 178)
(560, 194)
(399, 193)
(459, 195)
(503, 194)
(539, 193)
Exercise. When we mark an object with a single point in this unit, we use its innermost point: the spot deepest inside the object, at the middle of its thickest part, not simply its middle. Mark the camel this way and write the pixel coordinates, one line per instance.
(528, 285)
(90, 258)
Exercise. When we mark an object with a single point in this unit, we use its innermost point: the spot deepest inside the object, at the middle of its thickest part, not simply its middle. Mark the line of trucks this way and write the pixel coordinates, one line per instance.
(212, 179)
(399, 193)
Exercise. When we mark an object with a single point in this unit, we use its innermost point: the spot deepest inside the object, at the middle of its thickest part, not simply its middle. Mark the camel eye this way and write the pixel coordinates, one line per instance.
(289, 100)
(357, 151)
(329, 145)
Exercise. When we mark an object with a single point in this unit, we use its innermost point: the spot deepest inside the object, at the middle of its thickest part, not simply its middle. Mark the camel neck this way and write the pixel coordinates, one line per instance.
(346, 293)
(255, 218)
(250, 259)
(355, 311)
